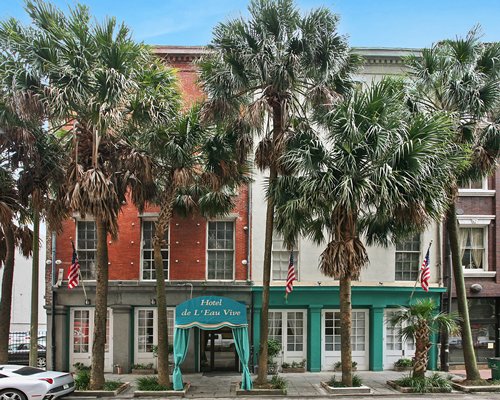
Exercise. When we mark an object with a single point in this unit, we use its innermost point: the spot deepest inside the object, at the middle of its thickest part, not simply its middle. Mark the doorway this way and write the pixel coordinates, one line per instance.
(218, 351)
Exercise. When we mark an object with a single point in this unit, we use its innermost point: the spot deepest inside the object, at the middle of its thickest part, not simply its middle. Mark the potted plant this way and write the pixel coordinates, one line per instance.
(403, 364)
(338, 366)
(273, 350)
(295, 366)
(143, 369)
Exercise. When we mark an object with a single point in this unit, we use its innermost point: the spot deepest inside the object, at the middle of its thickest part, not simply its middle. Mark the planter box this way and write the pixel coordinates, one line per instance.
(298, 369)
(101, 393)
(163, 393)
(143, 371)
(401, 369)
(475, 389)
(403, 389)
(346, 390)
(339, 369)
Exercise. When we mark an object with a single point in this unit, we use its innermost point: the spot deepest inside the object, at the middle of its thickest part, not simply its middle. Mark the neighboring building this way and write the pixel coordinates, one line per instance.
(224, 257)
(478, 209)
(21, 293)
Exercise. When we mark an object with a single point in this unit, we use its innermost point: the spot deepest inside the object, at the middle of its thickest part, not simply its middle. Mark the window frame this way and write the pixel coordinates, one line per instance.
(483, 191)
(147, 356)
(296, 254)
(80, 250)
(207, 250)
(418, 263)
(153, 219)
(483, 222)
(291, 355)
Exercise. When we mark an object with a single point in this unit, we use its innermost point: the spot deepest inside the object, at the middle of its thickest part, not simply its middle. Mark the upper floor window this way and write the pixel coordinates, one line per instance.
(281, 259)
(147, 252)
(86, 244)
(475, 185)
(220, 250)
(408, 259)
(472, 246)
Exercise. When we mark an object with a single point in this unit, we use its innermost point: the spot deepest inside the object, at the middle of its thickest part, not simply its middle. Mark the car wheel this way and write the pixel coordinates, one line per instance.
(41, 362)
(12, 394)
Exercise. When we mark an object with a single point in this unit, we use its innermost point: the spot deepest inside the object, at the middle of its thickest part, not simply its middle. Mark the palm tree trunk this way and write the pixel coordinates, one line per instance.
(34, 288)
(161, 226)
(101, 308)
(472, 372)
(345, 330)
(422, 347)
(6, 299)
(268, 244)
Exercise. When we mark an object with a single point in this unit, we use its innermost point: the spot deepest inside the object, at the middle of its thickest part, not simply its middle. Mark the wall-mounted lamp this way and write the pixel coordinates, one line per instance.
(475, 288)
(152, 301)
(87, 302)
(244, 262)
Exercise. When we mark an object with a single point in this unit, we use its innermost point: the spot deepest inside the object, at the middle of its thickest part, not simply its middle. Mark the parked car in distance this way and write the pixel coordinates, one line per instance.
(19, 382)
(19, 353)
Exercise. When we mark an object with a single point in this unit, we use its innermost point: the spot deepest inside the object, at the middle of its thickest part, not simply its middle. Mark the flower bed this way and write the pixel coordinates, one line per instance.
(102, 393)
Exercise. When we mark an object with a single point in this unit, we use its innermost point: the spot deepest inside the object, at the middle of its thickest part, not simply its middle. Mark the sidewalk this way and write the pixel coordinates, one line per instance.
(300, 385)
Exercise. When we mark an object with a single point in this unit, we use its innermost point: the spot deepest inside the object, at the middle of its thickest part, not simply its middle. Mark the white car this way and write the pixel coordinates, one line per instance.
(19, 382)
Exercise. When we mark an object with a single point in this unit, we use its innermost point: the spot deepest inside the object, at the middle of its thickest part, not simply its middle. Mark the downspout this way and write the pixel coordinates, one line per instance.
(249, 264)
(53, 303)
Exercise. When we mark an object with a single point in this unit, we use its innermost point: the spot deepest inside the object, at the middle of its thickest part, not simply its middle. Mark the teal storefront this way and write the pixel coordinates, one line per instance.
(307, 325)
(211, 313)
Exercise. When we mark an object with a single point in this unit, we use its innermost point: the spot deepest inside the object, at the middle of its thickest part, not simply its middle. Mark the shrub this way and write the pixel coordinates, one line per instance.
(356, 382)
(425, 384)
(150, 383)
(81, 367)
(404, 362)
(338, 364)
(142, 366)
(278, 382)
(273, 348)
(285, 365)
(82, 379)
(112, 385)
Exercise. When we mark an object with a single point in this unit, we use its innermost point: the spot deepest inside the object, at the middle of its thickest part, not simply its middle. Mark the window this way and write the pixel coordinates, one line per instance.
(393, 338)
(332, 331)
(479, 184)
(148, 267)
(87, 247)
(220, 250)
(408, 259)
(281, 259)
(81, 330)
(288, 328)
(145, 334)
(472, 245)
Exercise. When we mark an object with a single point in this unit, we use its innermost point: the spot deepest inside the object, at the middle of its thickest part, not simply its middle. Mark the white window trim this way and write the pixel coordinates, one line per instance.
(421, 242)
(229, 218)
(296, 258)
(478, 221)
(153, 217)
(286, 355)
(86, 219)
(477, 192)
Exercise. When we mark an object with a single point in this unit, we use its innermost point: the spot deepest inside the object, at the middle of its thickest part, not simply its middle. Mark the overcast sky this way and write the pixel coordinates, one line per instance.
(369, 23)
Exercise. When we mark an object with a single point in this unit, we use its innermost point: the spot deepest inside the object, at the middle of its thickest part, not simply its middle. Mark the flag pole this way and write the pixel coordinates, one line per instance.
(418, 274)
(83, 287)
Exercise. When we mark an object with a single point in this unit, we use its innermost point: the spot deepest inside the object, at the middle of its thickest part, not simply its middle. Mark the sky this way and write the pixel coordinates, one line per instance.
(368, 23)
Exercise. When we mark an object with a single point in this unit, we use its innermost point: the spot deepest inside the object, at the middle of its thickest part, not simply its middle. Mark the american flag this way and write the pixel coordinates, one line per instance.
(425, 272)
(291, 275)
(74, 270)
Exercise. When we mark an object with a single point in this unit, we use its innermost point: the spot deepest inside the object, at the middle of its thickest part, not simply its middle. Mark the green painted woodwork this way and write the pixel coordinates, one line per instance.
(314, 346)
(317, 298)
(376, 347)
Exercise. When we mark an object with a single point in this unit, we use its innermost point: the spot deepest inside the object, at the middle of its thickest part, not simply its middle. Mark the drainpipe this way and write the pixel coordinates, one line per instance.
(445, 343)
(53, 304)
(249, 264)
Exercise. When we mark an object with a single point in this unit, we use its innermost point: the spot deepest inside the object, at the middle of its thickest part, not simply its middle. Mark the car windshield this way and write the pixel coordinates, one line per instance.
(26, 371)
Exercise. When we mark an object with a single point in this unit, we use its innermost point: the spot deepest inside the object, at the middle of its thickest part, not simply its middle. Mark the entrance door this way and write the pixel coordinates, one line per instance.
(394, 346)
(217, 350)
(82, 333)
(331, 339)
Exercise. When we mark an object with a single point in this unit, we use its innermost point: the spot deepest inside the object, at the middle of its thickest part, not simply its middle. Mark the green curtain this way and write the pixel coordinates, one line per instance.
(181, 342)
(242, 347)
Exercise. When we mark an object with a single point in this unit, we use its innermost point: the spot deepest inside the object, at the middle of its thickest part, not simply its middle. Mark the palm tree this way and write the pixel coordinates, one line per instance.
(197, 169)
(11, 236)
(420, 320)
(98, 80)
(264, 72)
(381, 173)
(462, 78)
